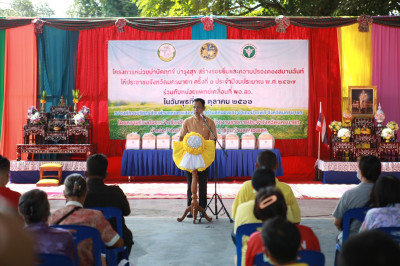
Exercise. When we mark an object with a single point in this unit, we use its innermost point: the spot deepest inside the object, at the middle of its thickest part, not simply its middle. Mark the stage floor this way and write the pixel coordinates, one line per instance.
(226, 190)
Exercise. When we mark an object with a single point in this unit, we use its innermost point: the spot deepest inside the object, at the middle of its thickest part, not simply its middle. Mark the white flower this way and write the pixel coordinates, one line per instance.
(344, 132)
(79, 119)
(387, 133)
(194, 142)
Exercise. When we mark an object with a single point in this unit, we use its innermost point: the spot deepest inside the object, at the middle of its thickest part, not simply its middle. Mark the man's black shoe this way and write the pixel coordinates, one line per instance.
(189, 215)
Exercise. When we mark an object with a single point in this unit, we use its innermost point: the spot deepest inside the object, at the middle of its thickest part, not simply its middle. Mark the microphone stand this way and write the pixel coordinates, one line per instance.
(216, 197)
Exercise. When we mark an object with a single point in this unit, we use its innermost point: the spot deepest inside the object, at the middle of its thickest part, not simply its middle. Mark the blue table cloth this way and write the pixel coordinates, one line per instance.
(239, 163)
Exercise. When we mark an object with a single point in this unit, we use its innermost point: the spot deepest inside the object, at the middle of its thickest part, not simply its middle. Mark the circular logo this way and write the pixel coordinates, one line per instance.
(249, 51)
(166, 52)
(208, 51)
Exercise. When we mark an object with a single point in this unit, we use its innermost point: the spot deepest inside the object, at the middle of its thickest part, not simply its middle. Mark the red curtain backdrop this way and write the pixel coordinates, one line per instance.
(19, 86)
(324, 81)
(92, 77)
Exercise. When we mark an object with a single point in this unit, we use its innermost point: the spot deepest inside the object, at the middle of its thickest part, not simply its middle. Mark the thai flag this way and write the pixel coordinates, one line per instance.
(321, 126)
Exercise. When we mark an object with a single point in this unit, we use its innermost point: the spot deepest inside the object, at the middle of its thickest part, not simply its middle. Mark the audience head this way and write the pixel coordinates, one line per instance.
(262, 178)
(370, 248)
(16, 245)
(4, 171)
(96, 166)
(386, 191)
(267, 159)
(370, 167)
(269, 203)
(75, 186)
(281, 240)
(34, 206)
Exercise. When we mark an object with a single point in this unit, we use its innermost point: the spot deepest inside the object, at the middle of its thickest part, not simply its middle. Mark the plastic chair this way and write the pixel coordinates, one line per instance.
(82, 232)
(392, 231)
(244, 230)
(259, 260)
(54, 259)
(348, 217)
(311, 257)
(112, 254)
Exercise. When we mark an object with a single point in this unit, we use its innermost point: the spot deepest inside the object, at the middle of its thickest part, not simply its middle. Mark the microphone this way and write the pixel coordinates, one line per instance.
(202, 115)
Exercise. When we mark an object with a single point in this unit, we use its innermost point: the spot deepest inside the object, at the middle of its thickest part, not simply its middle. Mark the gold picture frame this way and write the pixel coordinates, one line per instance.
(362, 101)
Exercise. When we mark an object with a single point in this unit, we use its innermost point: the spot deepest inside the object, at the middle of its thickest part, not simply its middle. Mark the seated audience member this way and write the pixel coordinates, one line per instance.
(261, 178)
(100, 195)
(10, 195)
(281, 241)
(16, 245)
(270, 203)
(373, 248)
(34, 207)
(245, 214)
(386, 196)
(267, 159)
(369, 169)
(73, 213)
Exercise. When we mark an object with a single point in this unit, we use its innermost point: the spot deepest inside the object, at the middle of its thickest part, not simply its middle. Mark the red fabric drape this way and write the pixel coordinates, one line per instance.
(324, 81)
(92, 78)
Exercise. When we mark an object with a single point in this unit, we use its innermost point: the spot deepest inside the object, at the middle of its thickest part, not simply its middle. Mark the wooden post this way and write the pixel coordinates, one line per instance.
(194, 208)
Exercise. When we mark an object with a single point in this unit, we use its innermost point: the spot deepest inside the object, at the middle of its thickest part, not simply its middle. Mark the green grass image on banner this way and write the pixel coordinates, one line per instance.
(164, 122)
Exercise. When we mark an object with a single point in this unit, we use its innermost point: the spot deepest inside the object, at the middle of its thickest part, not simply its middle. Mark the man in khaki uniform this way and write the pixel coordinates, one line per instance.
(196, 124)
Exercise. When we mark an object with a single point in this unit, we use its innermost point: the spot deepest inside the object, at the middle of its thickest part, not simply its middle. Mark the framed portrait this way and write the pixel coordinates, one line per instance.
(362, 101)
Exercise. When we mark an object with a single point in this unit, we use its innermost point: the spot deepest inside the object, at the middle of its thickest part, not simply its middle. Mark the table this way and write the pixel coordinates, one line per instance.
(87, 149)
(346, 172)
(240, 163)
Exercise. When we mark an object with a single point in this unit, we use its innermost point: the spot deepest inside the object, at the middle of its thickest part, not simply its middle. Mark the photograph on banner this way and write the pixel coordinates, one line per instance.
(248, 85)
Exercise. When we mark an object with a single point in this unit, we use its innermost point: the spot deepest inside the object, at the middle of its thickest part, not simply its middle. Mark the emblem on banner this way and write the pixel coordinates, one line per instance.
(166, 52)
(208, 51)
(249, 51)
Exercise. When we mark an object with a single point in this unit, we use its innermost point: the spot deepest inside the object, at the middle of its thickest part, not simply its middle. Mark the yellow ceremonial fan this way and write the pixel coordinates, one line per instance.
(194, 152)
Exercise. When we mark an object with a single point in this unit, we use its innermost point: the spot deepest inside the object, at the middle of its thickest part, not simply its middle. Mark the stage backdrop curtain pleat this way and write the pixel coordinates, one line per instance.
(198, 33)
(355, 53)
(386, 69)
(2, 44)
(19, 85)
(92, 78)
(324, 81)
(57, 64)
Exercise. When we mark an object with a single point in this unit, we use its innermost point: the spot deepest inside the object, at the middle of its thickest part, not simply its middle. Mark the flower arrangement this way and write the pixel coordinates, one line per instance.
(344, 133)
(76, 96)
(193, 152)
(193, 143)
(79, 119)
(43, 97)
(85, 111)
(31, 111)
(335, 125)
(387, 133)
(35, 118)
(392, 125)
